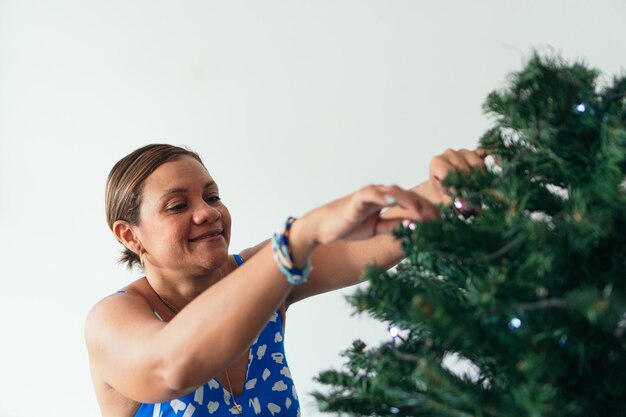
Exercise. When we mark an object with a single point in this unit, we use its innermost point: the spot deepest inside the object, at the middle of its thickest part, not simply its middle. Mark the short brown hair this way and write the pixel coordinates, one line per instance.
(125, 185)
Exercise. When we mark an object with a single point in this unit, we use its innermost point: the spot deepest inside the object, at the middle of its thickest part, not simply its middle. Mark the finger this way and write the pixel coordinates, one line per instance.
(380, 195)
(369, 200)
(410, 205)
(439, 168)
(386, 226)
(389, 225)
(457, 160)
(473, 159)
(483, 152)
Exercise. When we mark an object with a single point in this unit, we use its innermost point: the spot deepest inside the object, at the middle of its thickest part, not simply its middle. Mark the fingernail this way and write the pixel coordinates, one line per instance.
(409, 225)
(391, 200)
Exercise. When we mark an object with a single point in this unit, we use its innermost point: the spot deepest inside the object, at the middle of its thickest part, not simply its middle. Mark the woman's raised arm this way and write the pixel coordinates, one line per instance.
(147, 360)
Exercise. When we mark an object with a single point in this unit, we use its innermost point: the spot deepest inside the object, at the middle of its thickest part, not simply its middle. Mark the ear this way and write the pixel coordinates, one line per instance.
(125, 233)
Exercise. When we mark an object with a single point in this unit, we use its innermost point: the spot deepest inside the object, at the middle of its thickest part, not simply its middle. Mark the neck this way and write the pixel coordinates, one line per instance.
(179, 289)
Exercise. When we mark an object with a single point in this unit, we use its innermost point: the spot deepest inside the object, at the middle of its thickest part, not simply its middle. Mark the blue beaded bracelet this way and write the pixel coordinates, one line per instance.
(284, 257)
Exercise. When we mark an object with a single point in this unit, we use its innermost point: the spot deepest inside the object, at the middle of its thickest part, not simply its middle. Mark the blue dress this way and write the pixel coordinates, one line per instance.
(268, 390)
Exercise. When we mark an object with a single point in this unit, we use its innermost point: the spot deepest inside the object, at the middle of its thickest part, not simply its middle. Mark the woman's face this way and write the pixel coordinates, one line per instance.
(183, 225)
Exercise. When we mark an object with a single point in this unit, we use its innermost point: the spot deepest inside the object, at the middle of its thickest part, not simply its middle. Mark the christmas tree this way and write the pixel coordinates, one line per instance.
(522, 279)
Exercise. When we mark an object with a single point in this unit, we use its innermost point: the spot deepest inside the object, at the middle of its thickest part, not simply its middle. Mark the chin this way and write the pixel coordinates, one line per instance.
(215, 261)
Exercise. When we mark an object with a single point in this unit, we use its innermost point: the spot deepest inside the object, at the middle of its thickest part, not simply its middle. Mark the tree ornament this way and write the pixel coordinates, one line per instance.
(466, 207)
(393, 331)
(515, 323)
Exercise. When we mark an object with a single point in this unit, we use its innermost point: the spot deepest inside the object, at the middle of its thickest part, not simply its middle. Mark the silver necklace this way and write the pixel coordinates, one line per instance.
(164, 301)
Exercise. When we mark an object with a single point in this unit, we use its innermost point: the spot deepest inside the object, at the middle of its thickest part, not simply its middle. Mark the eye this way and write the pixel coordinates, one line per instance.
(177, 207)
(212, 199)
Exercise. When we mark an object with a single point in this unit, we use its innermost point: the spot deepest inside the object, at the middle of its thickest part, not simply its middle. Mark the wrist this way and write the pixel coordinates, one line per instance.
(292, 252)
(301, 242)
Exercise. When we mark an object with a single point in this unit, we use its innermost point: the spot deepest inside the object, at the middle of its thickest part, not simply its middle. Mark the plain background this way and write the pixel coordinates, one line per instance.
(290, 103)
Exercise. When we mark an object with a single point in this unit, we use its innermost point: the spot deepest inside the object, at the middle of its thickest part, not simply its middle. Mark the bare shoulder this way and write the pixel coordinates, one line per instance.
(127, 298)
(110, 328)
(250, 252)
(117, 315)
(122, 338)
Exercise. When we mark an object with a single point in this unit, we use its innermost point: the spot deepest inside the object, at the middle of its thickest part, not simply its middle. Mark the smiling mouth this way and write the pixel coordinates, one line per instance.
(207, 235)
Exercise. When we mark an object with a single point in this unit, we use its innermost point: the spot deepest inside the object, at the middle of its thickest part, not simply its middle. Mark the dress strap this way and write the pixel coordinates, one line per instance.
(238, 259)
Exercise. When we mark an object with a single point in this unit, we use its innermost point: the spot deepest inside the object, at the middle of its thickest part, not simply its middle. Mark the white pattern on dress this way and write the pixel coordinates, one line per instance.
(280, 386)
(251, 384)
(274, 408)
(189, 411)
(256, 405)
(199, 395)
(177, 405)
(286, 372)
(213, 406)
(261, 351)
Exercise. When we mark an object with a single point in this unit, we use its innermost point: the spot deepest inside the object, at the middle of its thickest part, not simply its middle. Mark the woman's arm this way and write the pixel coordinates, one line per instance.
(150, 361)
(341, 263)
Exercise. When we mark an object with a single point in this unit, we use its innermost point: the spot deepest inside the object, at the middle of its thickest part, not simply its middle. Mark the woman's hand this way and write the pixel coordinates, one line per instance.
(371, 211)
(359, 216)
(363, 214)
(441, 165)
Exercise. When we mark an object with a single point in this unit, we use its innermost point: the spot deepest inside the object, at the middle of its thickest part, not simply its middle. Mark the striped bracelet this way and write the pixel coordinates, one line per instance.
(284, 257)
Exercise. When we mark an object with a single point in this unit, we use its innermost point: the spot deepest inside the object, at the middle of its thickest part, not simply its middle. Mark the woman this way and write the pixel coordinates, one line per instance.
(201, 333)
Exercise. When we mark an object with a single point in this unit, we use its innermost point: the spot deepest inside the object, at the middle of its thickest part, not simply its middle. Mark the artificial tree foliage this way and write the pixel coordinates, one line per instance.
(523, 279)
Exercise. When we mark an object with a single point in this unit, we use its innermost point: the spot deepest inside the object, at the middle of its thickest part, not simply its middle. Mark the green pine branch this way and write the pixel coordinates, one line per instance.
(529, 287)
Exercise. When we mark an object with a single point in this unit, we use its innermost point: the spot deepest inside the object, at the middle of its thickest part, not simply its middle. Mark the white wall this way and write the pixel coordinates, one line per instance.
(291, 104)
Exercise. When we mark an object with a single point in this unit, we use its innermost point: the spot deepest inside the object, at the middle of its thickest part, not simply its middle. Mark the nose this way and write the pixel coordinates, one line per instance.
(205, 213)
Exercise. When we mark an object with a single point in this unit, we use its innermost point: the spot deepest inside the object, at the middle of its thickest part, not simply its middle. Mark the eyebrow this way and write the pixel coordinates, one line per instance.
(179, 190)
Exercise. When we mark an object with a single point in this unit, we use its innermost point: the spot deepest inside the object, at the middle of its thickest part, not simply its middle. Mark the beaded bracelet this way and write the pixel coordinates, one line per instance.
(284, 257)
